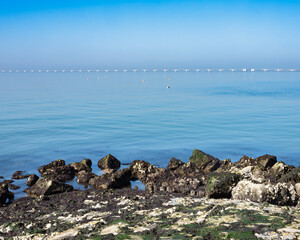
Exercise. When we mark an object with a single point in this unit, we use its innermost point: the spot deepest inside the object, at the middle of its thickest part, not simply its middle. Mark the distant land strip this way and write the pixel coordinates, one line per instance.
(152, 70)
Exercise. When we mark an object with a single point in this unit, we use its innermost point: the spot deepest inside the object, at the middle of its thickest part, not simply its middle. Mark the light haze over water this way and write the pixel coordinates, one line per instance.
(46, 116)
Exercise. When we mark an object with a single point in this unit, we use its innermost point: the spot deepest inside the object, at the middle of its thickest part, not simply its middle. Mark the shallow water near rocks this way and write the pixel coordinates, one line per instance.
(46, 116)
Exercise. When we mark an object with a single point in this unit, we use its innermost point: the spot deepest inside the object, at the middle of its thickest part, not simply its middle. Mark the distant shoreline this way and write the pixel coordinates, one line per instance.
(153, 70)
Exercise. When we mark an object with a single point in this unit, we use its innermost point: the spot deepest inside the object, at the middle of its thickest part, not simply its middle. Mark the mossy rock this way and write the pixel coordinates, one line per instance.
(219, 185)
(292, 176)
(204, 161)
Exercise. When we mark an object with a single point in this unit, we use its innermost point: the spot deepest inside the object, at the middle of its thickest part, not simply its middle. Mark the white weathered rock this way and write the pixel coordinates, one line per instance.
(247, 190)
(280, 193)
(146, 228)
(65, 235)
(113, 229)
(297, 187)
(253, 174)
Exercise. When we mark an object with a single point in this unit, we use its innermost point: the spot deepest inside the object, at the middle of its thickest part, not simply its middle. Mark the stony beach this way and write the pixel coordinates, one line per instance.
(203, 198)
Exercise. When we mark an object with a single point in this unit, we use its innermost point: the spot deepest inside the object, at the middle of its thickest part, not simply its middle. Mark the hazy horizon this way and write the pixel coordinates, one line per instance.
(149, 34)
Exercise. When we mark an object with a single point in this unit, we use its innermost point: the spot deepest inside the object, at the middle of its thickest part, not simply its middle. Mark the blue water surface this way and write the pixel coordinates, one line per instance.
(46, 116)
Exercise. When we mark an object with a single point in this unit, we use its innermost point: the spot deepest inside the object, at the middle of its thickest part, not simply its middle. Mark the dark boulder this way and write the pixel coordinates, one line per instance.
(278, 170)
(87, 162)
(31, 180)
(57, 170)
(141, 170)
(220, 185)
(20, 175)
(266, 161)
(78, 166)
(109, 163)
(225, 165)
(184, 178)
(244, 162)
(174, 164)
(187, 170)
(112, 180)
(84, 177)
(204, 161)
(46, 186)
(8, 181)
(54, 164)
(5, 194)
(13, 186)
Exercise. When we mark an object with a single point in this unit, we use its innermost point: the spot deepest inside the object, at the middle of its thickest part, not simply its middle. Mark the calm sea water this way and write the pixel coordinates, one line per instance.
(46, 116)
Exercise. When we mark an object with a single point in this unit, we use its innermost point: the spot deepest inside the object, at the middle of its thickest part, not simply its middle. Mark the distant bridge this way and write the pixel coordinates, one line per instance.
(151, 70)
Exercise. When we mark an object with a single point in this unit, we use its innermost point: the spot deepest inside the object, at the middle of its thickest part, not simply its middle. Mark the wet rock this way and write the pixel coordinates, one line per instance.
(109, 163)
(292, 176)
(46, 186)
(54, 164)
(84, 177)
(10, 196)
(112, 180)
(57, 170)
(5, 194)
(20, 175)
(8, 181)
(204, 161)
(13, 186)
(220, 185)
(87, 162)
(78, 166)
(174, 164)
(279, 194)
(31, 180)
(1, 177)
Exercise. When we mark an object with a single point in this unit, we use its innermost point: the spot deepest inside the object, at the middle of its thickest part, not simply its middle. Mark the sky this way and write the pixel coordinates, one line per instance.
(149, 34)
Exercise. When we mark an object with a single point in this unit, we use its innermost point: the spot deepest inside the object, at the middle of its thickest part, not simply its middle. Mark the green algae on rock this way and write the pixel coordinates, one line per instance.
(220, 185)
(204, 161)
(133, 214)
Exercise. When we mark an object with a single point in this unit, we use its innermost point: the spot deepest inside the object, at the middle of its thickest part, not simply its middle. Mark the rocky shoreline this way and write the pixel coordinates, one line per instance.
(205, 198)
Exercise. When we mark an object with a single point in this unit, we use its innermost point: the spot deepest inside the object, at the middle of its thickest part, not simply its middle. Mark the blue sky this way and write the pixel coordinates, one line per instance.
(145, 34)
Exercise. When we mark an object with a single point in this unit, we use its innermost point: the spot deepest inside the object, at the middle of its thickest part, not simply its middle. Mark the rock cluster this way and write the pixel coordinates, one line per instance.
(262, 179)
